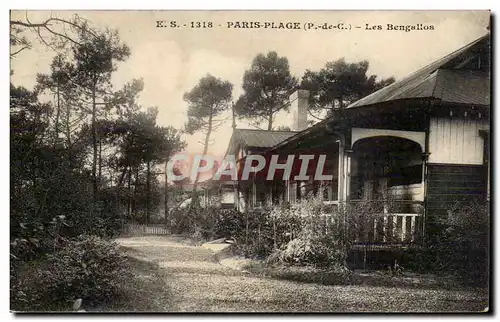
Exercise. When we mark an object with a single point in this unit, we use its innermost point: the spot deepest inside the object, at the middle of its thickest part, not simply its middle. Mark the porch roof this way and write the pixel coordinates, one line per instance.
(445, 79)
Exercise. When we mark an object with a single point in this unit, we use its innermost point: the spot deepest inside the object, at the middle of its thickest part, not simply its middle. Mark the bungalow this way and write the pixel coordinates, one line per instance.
(245, 142)
(423, 140)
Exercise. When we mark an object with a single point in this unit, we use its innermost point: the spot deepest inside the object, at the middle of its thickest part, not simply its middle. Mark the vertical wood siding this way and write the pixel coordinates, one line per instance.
(456, 140)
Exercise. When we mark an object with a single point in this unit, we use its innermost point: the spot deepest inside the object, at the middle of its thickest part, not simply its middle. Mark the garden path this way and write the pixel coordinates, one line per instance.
(196, 282)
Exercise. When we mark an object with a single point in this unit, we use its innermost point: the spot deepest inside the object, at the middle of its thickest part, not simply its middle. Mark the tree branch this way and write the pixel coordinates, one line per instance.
(77, 22)
(20, 50)
(311, 114)
(47, 22)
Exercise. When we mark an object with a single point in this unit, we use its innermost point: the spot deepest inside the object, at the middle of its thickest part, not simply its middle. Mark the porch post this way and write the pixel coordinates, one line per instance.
(236, 196)
(344, 173)
(341, 171)
(347, 181)
(425, 157)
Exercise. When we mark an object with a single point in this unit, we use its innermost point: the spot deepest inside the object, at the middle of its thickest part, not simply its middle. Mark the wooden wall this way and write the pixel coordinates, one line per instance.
(448, 184)
(456, 140)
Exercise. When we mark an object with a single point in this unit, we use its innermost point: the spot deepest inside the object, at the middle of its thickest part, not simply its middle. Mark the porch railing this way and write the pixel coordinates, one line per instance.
(399, 223)
(395, 223)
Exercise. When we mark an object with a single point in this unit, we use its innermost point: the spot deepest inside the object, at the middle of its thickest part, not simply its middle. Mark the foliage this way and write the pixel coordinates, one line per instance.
(18, 42)
(74, 144)
(208, 222)
(260, 233)
(296, 233)
(340, 83)
(207, 100)
(141, 145)
(50, 195)
(256, 239)
(462, 245)
(96, 57)
(320, 241)
(229, 223)
(308, 232)
(267, 86)
(50, 144)
(88, 268)
(44, 183)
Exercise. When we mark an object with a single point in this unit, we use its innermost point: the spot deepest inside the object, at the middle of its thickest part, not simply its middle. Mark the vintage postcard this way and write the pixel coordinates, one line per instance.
(250, 161)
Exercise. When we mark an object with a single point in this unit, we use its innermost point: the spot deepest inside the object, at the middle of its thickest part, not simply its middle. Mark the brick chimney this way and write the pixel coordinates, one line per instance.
(298, 106)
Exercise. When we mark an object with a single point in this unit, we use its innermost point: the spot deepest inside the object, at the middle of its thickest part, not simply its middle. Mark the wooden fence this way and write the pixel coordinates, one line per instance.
(144, 230)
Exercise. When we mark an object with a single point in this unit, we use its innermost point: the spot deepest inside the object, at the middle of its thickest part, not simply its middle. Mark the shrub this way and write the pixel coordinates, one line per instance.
(208, 222)
(229, 223)
(462, 246)
(256, 238)
(459, 244)
(321, 240)
(86, 267)
(298, 233)
(319, 251)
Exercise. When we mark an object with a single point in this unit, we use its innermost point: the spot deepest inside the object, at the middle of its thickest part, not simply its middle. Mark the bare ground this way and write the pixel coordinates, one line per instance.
(175, 275)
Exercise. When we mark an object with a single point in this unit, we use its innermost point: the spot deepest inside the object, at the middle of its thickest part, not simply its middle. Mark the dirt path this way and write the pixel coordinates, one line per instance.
(197, 283)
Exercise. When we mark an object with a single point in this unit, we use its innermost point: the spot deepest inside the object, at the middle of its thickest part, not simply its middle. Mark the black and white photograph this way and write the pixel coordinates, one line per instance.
(250, 161)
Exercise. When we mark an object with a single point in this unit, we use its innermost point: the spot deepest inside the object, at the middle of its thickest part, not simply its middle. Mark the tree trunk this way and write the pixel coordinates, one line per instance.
(100, 159)
(136, 186)
(270, 121)
(129, 194)
(94, 142)
(68, 129)
(234, 116)
(148, 188)
(58, 113)
(166, 198)
(194, 198)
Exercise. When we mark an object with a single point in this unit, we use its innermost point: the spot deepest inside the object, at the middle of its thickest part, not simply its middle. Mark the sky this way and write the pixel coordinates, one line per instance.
(172, 60)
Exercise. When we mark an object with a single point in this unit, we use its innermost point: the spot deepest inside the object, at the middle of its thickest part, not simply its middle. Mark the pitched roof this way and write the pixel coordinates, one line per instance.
(437, 80)
(262, 138)
(257, 138)
(463, 86)
(441, 80)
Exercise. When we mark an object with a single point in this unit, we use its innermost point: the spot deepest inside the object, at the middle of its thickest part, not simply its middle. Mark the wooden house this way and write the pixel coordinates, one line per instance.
(243, 194)
(423, 141)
